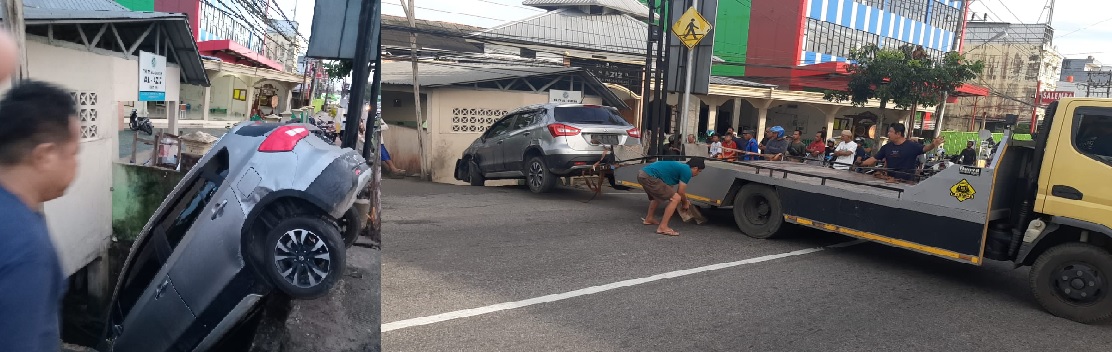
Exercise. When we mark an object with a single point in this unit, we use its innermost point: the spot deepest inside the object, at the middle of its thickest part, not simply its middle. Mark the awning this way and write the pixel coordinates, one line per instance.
(231, 51)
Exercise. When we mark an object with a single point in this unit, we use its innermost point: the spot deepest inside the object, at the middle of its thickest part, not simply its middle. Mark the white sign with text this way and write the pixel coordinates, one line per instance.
(565, 96)
(152, 77)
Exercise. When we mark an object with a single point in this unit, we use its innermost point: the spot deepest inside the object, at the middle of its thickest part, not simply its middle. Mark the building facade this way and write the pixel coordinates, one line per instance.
(757, 38)
(1077, 69)
(1020, 63)
(251, 58)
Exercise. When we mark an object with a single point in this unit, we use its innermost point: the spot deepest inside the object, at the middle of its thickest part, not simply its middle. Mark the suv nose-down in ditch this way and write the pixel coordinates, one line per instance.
(267, 209)
(542, 142)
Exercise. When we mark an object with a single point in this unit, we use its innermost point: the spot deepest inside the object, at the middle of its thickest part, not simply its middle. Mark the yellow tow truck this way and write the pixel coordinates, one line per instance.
(1044, 203)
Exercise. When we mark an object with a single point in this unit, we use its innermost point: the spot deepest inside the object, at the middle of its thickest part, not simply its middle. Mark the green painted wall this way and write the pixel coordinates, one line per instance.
(137, 5)
(731, 36)
(137, 191)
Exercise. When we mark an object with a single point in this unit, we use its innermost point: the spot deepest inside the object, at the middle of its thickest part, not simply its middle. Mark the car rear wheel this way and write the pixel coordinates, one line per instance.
(349, 226)
(304, 257)
(537, 176)
(474, 175)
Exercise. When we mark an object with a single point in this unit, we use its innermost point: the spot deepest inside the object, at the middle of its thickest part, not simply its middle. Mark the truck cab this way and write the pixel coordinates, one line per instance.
(1067, 231)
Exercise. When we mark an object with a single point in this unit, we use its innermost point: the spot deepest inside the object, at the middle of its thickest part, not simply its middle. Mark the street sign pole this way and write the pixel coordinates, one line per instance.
(687, 93)
(691, 28)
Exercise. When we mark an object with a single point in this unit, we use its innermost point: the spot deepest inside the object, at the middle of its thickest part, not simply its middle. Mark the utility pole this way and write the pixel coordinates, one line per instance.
(1038, 84)
(409, 13)
(13, 18)
(360, 71)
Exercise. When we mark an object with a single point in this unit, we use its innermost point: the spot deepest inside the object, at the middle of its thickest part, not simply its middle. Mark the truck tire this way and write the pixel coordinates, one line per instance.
(538, 177)
(1073, 281)
(757, 211)
(474, 175)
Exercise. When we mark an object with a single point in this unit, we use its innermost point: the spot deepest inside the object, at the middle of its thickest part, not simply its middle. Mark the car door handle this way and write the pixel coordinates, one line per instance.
(161, 290)
(218, 210)
(1066, 192)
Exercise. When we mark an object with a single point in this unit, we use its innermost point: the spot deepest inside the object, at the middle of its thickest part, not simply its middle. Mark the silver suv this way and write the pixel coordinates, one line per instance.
(543, 142)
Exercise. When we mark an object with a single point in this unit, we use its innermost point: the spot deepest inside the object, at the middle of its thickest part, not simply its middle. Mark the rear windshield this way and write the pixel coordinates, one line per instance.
(588, 116)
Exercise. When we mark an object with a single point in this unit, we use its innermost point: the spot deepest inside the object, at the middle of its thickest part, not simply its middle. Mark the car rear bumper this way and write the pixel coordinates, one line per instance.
(563, 164)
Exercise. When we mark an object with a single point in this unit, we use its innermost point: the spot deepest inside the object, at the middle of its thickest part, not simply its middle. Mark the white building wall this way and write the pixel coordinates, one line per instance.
(81, 221)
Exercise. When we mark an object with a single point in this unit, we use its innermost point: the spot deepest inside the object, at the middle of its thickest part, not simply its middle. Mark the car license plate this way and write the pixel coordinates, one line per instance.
(605, 138)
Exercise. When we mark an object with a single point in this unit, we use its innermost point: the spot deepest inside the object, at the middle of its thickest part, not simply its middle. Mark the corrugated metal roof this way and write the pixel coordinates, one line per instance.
(445, 74)
(175, 25)
(396, 30)
(567, 27)
(88, 5)
(630, 7)
(738, 82)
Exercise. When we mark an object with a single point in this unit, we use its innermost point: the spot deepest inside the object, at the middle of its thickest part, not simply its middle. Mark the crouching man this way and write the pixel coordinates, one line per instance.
(657, 179)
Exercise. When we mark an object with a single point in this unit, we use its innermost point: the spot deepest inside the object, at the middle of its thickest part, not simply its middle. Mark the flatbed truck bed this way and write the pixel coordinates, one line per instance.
(1042, 203)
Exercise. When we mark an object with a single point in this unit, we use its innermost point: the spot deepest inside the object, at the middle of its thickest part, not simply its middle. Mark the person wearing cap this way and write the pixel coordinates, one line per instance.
(657, 180)
(863, 152)
(844, 151)
(751, 148)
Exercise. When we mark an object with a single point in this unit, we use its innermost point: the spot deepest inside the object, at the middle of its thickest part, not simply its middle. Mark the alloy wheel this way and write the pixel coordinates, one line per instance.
(302, 258)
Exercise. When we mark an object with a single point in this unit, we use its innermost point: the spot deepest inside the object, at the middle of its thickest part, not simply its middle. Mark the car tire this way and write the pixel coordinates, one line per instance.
(758, 212)
(304, 257)
(474, 175)
(349, 227)
(1073, 281)
(538, 177)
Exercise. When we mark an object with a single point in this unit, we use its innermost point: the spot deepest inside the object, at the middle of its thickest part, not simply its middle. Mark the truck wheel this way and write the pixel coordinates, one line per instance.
(474, 175)
(537, 176)
(757, 211)
(1072, 281)
(304, 257)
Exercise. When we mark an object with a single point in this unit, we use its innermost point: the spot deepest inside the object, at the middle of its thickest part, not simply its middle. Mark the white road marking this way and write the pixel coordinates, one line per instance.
(433, 319)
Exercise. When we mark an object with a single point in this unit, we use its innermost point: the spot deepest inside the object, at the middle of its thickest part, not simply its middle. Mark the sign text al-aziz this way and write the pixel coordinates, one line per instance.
(152, 79)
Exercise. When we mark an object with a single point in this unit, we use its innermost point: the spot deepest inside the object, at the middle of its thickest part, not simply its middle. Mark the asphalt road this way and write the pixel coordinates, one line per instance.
(501, 269)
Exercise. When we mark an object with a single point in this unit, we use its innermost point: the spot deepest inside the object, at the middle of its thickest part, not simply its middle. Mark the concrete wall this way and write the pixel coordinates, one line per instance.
(445, 145)
(80, 222)
(137, 191)
(194, 96)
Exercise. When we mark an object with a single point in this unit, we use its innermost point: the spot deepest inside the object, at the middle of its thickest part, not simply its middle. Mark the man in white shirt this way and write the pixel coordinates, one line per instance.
(843, 153)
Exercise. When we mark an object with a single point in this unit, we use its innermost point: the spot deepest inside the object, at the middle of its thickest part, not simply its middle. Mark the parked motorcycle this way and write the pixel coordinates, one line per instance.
(138, 123)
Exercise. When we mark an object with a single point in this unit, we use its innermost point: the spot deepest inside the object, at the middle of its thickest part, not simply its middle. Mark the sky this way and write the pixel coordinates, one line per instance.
(1080, 29)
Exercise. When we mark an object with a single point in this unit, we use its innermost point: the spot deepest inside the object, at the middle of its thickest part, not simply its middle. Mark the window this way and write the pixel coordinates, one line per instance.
(1093, 133)
(501, 127)
(588, 115)
(911, 9)
(828, 38)
(526, 119)
(874, 3)
(944, 16)
(168, 231)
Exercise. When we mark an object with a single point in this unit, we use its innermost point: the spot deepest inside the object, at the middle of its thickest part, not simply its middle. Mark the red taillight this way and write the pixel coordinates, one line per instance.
(562, 130)
(283, 139)
(634, 132)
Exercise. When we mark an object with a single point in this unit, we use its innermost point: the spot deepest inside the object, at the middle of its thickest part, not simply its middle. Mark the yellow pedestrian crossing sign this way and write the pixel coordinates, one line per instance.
(691, 28)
